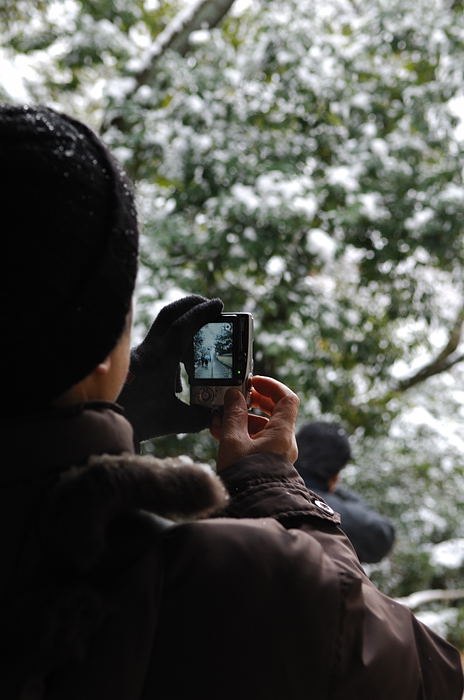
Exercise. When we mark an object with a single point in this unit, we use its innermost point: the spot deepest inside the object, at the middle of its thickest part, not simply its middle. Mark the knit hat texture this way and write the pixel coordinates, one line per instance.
(70, 252)
(323, 450)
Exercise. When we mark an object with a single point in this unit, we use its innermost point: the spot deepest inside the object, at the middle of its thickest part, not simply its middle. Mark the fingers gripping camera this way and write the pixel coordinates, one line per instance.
(222, 356)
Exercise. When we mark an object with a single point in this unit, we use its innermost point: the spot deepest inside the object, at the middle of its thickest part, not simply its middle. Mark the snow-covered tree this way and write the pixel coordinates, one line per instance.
(303, 160)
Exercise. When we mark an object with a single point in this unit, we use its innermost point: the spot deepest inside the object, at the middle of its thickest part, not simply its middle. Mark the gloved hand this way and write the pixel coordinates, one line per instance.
(149, 395)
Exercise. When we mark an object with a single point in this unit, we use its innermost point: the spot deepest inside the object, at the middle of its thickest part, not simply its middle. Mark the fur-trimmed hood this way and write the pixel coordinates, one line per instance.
(76, 521)
(86, 499)
(80, 473)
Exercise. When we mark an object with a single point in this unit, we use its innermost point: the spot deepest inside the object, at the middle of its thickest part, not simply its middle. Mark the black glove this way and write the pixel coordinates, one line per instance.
(149, 395)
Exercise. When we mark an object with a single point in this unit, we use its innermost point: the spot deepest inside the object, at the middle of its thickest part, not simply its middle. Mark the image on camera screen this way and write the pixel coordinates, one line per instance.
(212, 351)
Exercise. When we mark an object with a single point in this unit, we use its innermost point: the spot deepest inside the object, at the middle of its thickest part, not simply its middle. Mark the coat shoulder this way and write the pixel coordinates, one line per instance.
(243, 592)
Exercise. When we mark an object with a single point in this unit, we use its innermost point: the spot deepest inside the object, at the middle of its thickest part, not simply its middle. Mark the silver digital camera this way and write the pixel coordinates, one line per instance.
(221, 357)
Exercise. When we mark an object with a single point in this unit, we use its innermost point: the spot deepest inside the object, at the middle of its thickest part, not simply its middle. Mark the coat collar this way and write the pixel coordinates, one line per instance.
(313, 483)
(49, 442)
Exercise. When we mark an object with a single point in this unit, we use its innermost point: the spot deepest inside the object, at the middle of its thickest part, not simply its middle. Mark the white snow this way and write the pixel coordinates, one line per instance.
(345, 176)
(372, 205)
(415, 600)
(452, 191)
(456, 105)
(275, 265)
(321, 244)
(419, 415)
(438, 621)
(245, 195)
(200, 36)
(62, 12)
(449, 554)
(15, 71)
(117, 88)
(419, 219)
(306, 205)
(298, 344)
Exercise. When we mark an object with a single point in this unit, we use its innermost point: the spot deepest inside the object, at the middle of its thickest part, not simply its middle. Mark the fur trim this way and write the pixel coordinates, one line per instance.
(86, 499)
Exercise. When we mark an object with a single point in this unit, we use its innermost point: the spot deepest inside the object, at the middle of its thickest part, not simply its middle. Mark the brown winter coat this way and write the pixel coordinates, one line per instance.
(103, 600)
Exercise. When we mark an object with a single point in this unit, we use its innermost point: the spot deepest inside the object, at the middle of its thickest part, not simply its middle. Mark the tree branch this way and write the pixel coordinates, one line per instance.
(201, 14)
(419, 598)
(176, 36)
(446, 358)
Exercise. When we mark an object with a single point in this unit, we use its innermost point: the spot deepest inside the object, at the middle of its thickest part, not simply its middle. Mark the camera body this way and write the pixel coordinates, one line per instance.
(221, 357)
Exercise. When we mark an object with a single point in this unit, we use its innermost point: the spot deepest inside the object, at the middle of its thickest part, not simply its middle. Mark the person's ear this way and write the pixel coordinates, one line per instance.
(104, 366)
(332, 482)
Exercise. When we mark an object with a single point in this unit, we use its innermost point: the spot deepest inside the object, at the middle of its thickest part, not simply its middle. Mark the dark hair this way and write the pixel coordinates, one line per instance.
(70, 228)
(323, 450)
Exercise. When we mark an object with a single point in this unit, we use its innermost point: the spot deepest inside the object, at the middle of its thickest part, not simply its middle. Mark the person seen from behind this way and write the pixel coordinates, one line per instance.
(323, 451)
(127, 577)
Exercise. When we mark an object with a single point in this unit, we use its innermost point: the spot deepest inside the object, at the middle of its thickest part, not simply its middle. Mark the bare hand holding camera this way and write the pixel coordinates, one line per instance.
(241, 433)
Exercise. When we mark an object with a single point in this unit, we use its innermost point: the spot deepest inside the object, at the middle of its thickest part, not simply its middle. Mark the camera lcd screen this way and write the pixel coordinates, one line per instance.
(213, 351)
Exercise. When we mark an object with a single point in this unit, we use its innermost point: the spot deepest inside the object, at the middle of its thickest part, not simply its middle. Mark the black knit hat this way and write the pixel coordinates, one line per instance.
(323, 450)
(70, 241)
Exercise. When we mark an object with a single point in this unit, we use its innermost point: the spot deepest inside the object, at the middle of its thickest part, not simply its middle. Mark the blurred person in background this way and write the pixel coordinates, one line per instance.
(323, 451)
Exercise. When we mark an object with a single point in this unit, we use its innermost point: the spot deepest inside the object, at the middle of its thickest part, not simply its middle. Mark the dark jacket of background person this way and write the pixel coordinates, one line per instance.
(100, 602)
(324, 450)
(371, 534)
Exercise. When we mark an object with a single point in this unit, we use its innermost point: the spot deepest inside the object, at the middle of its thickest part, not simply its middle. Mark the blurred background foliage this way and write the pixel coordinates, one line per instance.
(303, 161)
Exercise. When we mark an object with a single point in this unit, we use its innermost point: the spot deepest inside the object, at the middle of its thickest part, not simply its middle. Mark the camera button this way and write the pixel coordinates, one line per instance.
(206, 394)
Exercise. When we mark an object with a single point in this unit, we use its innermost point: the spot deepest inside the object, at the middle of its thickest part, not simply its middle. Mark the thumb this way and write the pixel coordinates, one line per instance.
(234, 439)
(235, 416)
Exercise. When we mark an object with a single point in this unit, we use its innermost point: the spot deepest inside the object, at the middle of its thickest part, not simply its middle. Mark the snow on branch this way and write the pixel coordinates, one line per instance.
(415, 600)
(202, 14)
(449, 356)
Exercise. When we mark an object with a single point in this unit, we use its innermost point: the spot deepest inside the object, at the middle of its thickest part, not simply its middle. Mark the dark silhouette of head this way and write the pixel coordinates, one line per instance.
(323, 450)
(70, 252)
